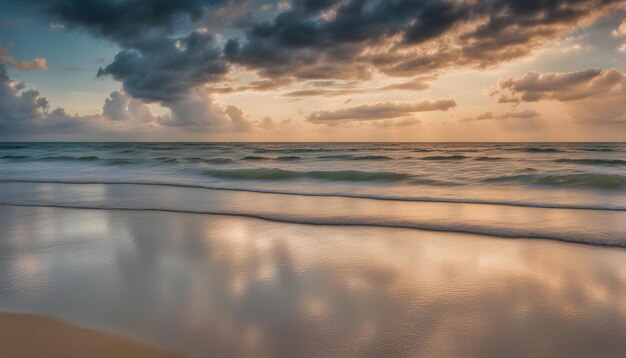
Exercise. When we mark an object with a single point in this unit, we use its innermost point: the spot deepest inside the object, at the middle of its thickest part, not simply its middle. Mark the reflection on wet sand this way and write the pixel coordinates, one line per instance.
(224, 286)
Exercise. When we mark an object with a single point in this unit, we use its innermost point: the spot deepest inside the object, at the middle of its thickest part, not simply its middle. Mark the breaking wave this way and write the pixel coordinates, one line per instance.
(587, 180)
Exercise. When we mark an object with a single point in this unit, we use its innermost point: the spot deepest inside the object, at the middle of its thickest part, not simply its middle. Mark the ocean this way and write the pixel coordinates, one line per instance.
(387, 180)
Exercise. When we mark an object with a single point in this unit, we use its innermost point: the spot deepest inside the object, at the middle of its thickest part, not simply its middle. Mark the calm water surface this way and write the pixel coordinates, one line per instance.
(208, 285)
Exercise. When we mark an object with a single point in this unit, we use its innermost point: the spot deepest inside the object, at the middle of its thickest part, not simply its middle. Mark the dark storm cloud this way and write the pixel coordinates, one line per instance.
(129, 23)
(562, 86)
(350, 39)
(154, 64)
(377, 111)
(170, 71)
(315, 39)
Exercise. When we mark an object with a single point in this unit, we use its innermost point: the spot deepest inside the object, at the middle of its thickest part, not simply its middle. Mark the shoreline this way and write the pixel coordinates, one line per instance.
(289, 221)
(30, 335)
(591, 227)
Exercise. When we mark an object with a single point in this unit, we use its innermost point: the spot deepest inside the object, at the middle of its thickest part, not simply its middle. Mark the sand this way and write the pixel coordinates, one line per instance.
(30, 336)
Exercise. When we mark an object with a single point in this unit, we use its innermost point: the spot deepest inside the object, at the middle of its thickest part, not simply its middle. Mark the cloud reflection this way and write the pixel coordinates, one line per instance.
(209, 285)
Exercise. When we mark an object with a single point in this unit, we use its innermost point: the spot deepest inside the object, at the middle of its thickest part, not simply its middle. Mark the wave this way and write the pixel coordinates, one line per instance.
(122, 161)
(587, 180)
(353, 157)
(593, 161)
(167, 160)
(366, 221)
(11, 146)
(445, 157)
(14, 157)
(542, 150)
(70, 158)
(89, 158)
(254, 157)
(597, 149)
(296, 150)
(488, 159)
(208, 160)
(281, 174)
(473, 201)
(288, 158)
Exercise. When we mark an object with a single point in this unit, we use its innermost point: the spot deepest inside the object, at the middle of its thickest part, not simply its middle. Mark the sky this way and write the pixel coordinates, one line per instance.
(313, 70)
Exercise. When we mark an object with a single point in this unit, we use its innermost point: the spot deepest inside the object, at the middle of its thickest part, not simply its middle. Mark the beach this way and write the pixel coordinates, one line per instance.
(200, 285)
(314, 250)
(313, 178)
(25, 335)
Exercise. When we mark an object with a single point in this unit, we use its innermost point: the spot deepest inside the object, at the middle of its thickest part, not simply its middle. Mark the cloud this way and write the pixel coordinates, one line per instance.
(259, 86)
(155, 63)
(170, 70)
(620, 30)
(129, 23)
(591, 96)
(525, 114)
(238, 120)
(24, 110)
(171, 53)
(561, 86)
(355, 38)
(56, 26)
(24, 65)
(388, 123)
(377, 111)
(414, 84)
(269, 123)
(314, 39)
(200, 110)
(120, 107)
(333, 88)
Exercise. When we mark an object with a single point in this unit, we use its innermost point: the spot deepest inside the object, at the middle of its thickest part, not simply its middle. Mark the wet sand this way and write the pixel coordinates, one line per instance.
(30, 336)
(209, 285)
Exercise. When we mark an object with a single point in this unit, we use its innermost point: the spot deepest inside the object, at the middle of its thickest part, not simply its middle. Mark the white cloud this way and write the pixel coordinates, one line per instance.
(56, 26)
(620, 30)
(24, 65)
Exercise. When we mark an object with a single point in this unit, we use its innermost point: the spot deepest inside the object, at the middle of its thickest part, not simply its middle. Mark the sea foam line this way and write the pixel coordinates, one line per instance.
(364, 222)
(332, 195)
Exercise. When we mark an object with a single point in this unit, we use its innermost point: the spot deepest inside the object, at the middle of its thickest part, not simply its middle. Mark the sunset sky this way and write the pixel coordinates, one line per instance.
(313, 70)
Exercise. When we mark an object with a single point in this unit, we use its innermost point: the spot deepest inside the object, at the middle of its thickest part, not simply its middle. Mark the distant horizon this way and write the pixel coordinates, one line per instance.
(317, 142)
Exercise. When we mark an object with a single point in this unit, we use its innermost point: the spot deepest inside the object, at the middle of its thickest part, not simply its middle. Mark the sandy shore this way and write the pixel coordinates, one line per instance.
(31, 336)
(209, 285)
